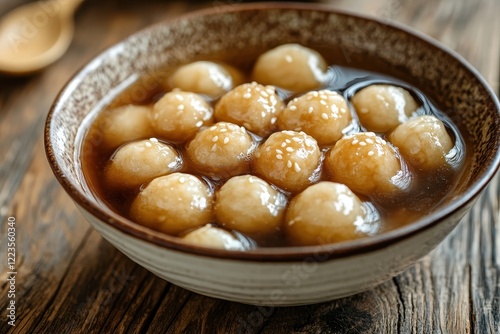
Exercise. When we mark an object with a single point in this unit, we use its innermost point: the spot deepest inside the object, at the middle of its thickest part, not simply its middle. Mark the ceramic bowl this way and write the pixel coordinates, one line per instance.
(291, 275)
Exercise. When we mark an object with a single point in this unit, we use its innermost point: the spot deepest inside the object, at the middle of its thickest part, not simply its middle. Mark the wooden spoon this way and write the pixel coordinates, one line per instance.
(35, 35)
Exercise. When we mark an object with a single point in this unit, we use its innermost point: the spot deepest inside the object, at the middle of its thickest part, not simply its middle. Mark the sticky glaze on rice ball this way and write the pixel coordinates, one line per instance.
(178, 115)
(221, 151)
(139, 162)
(206, 77)
(124, 124)
(381, 108)
(423, 141)
(251, 105)
(250, 205)
(289, 160)
(324, 213)
(291, 66)
(214, 237)
(367, 164)
(321, 114)
(173, 203)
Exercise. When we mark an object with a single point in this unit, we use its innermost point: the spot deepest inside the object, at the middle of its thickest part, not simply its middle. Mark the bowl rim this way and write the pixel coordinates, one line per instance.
(267, 254)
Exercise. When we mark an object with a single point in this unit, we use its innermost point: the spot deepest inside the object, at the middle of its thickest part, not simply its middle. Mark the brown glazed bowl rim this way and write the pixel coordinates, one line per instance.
(268, 254)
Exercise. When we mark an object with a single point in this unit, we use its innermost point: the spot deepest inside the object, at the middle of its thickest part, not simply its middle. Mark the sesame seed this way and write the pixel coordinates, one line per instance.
(279, 156)
(315, 94)
(279, 151)
(292, 108)
(283, 144)
(355, 141)
(296, 167)
(247, 95)
(289, 149)
(297, 129)
(309, 98)
(263, 114)
(222, 130)
(180, 107)
(268, 149)
(148, 144)
(324, 116)
(288, 58)
(287, 141)
(310, 110)
(264, 94)
(214, 148)
(289, 164)
(323, 102)
(371, 153)
(295, 139)
(369, 141)
(362, 143)
(199, 124)
(215, 138)
(182, 179)
(370, 134)
(273, 120)
(213, 128)
(179, 97)
(226, 140)
(154, 140)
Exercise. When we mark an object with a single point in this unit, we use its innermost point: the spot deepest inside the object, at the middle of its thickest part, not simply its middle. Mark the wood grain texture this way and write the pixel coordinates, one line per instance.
(70, 280)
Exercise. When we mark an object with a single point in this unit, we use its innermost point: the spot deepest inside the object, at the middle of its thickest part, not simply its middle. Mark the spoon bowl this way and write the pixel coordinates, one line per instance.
(35, 35)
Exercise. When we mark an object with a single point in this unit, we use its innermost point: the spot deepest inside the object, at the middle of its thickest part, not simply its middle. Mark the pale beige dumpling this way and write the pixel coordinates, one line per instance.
(214, 237)
(251, 105)
(124, 124)
(321, 114)
(178, 115)
(292, 67)
(367, 164)
(206, 77)
(289, 160)
(324, 213)
(173, 203)
(221, 151)
(139, 162)
(423, 141)
(381, 108)
(250, 205)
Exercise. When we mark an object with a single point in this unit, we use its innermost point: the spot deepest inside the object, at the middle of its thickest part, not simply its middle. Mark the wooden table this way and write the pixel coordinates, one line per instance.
(70, 280)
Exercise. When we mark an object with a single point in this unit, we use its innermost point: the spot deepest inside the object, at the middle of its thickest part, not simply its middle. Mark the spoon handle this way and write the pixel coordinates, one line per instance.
(67, 7)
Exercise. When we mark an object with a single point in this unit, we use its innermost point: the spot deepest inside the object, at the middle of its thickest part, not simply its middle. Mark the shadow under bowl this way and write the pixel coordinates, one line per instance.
(267, 276)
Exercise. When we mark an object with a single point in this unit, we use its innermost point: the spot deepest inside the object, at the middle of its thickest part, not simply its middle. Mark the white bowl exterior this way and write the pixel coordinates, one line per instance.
(278, 283)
